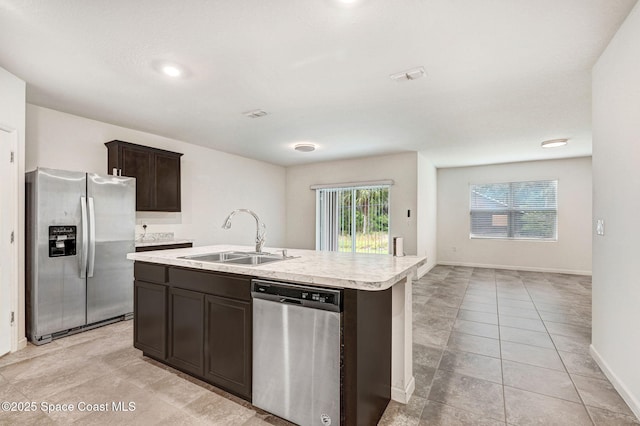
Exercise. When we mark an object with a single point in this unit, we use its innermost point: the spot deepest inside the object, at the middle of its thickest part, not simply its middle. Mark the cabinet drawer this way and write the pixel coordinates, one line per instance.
(232, 286)
(150, 272)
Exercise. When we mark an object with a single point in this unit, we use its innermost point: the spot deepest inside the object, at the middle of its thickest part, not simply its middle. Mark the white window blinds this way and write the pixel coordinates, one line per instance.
(515, 210)
(353, 219)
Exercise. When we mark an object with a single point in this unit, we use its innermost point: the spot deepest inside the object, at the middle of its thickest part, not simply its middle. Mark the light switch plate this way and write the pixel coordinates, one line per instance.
(600, 227)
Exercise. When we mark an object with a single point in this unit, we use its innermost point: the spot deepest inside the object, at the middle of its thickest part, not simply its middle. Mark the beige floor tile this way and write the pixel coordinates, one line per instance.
(608, 418)
(398, 414)
(476, 328)
(528, 337)
(532, 355)
(468, 393)
(545, 381)
(600, 394)
(215, 409)
(436, 413)
(519, 312)
(428, 356)
(474, 344)
(479, 307)
(528, 408)
(523, 323)
(474, 365)
(484, 317)
(582, 364)
(574, 344)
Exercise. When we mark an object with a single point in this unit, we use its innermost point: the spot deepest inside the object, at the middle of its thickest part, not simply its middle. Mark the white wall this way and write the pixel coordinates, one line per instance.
(301, 201)
(616, 199)
(571, 253)
(427, 212)
(12, 117)
(213, 182)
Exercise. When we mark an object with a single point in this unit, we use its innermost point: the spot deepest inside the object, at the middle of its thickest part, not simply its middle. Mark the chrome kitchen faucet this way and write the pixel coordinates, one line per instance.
(261, 228)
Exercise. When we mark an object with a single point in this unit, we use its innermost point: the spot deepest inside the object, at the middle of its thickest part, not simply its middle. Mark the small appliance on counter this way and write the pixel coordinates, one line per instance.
(80, 227)
(398, 246)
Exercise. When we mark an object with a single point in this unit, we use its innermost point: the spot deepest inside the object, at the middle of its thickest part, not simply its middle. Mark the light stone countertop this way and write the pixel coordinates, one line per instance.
(146, 243)
(325, 268)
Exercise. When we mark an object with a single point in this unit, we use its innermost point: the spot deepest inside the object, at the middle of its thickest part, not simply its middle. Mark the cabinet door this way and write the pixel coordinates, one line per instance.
(138, 163)
(150, 319)
(186, 330)
(228, 344)
(167, 185)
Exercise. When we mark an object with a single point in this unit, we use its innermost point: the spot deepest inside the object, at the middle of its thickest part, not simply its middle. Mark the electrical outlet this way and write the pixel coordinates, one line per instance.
(600, 227)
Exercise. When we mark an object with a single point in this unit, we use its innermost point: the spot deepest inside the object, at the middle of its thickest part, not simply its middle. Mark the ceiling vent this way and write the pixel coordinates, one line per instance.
(256, 113)
(412, 74)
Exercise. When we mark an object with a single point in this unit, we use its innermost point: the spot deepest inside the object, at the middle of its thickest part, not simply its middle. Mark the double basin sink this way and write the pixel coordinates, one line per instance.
(237, 258)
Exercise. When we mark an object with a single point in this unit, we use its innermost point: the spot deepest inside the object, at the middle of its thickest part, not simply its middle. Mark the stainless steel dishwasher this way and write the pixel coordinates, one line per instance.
(296, 352)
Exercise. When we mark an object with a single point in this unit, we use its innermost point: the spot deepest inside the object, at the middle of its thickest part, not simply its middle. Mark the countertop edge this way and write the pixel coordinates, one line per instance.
(268, 271)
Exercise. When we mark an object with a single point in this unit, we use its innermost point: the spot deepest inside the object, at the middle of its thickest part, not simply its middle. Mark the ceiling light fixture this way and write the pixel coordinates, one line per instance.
(412, 74)
(304, 147)
(256, 113)
(172, 70)
(554, 143)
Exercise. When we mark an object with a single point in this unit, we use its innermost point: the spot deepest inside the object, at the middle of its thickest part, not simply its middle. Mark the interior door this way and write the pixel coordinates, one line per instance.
(8, 205)
(113, 217)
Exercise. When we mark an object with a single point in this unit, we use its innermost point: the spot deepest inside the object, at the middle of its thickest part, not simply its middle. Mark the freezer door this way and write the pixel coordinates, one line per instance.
(55, 287)
(112, 217)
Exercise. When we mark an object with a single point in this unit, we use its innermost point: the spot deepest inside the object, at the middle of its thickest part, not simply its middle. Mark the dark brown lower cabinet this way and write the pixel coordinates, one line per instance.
(150, 318)
(186, 330)
(228, 344)
(201, 323)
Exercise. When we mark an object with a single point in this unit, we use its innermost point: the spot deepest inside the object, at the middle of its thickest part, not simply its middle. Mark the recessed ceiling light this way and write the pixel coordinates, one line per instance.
(172, 70)
(554, 143)
(304, 147)
(412, 74)
(256, 113)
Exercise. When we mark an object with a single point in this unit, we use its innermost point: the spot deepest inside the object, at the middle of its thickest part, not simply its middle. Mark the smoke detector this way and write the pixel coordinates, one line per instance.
(256, 113)
(412, 74)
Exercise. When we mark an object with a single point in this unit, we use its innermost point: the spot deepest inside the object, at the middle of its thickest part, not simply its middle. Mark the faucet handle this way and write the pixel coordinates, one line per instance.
(284, 252)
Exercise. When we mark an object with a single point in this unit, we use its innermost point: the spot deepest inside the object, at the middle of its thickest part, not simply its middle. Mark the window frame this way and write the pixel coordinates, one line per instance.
(510, 211)
(353, 187)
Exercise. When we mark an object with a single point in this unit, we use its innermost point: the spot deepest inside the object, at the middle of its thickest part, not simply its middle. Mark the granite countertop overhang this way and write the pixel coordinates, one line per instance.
(331, 269)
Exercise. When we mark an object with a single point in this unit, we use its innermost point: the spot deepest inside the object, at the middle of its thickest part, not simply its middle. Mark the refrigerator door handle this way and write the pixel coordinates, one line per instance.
(92, 238)
(85, 238)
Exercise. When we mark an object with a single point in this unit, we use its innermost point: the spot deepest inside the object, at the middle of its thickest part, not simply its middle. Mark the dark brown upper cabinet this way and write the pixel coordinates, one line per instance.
(157, 174)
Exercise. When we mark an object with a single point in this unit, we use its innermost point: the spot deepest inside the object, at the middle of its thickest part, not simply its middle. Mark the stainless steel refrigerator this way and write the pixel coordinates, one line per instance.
(80, 226)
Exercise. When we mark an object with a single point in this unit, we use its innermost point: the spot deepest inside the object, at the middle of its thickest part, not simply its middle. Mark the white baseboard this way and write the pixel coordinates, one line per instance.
(424, 270)
(403, 395)
(516, 268)
(22, 343)
(631, 400)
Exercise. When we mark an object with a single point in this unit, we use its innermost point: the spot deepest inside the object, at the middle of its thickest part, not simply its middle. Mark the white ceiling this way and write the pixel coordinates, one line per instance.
(502, 75)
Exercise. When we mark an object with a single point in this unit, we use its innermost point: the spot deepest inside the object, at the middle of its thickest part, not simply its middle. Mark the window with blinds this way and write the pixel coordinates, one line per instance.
(353, 219)
(515, 210)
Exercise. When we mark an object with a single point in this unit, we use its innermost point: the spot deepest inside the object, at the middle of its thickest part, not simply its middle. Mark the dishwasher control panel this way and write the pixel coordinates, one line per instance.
(297, 294)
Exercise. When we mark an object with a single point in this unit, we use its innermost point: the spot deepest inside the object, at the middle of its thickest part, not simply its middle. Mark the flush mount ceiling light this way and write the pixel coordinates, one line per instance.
(304, 147)
(171, 70)
(256, 113)
(554, 143)
(412, 74)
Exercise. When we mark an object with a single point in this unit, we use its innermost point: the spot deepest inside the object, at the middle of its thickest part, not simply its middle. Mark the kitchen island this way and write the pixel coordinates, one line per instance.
(208, 307)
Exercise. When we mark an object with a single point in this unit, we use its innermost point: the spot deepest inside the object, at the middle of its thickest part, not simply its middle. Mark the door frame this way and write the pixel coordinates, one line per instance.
(13, 287)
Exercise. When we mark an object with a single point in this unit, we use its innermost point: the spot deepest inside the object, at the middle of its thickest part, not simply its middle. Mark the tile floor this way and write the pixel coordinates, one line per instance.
(490, 347)
(496, 347)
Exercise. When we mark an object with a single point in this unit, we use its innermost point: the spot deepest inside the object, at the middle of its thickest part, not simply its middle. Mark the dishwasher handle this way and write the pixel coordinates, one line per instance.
(291, 301)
